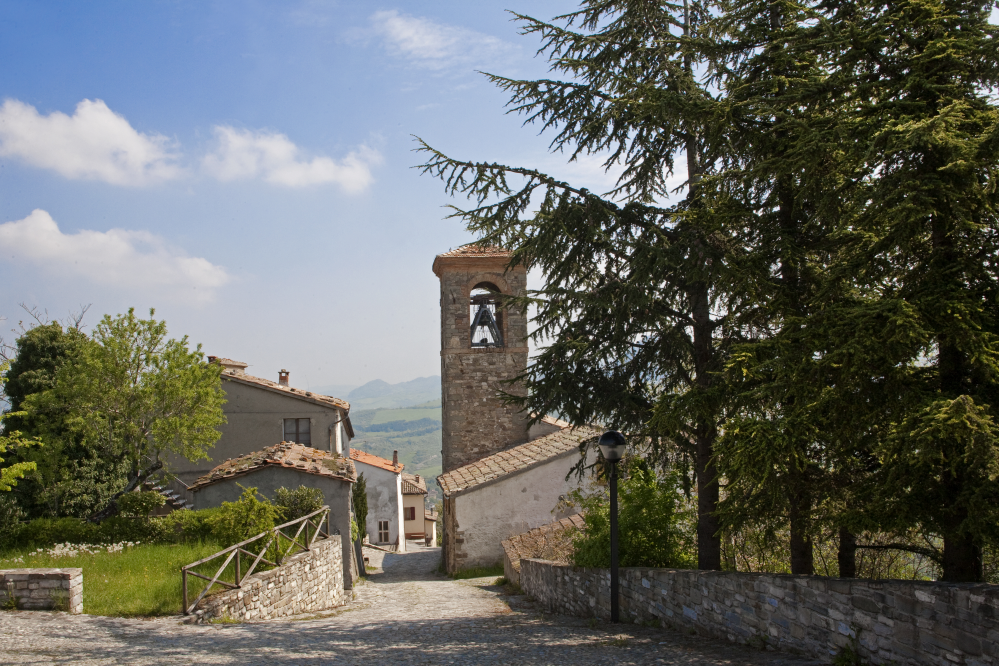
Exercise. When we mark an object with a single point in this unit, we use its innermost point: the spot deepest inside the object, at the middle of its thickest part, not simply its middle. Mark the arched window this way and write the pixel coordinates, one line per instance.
(487, 322)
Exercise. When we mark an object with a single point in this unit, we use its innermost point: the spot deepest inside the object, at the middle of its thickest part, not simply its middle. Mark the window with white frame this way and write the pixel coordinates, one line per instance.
(383, 532)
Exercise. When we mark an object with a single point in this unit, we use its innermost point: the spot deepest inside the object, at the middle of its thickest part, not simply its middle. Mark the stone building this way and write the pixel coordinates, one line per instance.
(482, 345)
(383, 480)
(260, 412)
(288, 465)
(500, 477)
(506, 494)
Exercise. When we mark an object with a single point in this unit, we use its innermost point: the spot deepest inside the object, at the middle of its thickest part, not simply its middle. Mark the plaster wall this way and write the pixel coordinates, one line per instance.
(475, 421)
(416, 503)
(255, 421)
(267, 480)
(488, 514)
(384, 502)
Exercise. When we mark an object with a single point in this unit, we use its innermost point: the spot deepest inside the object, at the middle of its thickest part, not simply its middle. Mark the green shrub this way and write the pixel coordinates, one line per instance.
(298, 502)
(140, 504)
(120, 528)
(11, 516)
(244, 518)
(188, 526)
(655, 528)
(43, 532)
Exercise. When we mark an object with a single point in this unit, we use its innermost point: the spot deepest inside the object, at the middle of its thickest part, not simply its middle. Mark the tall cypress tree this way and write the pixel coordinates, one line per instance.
(635, 305)
(924, 72)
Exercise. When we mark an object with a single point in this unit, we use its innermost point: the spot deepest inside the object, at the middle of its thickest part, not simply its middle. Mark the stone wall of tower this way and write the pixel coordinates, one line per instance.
(476, 422)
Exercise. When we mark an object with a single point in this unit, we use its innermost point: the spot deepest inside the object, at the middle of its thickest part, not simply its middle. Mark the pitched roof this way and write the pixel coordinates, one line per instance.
(286, 454)
(308, 396)
(413, 484)
(514, 460)
(429, 514)
(373, 460)
(473, 251)
(540, 541)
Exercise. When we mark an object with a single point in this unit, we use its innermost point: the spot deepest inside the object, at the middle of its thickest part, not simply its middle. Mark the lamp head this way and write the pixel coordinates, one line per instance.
(612, 445)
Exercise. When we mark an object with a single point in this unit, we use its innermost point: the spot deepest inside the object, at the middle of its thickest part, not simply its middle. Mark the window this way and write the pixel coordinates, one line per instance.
(298, 430)
(383, 535)
(410, 513)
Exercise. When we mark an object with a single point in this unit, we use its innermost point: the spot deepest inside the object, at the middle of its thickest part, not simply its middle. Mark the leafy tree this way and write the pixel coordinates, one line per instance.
(9, 441)
(653, 523)
(136, 396)
(359, 495)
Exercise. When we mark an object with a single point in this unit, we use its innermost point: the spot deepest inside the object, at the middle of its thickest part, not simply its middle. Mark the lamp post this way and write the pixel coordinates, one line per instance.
(612, 447)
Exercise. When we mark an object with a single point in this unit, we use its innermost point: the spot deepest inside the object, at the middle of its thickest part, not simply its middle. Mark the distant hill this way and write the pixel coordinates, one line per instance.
(379, 394)
(415, 432)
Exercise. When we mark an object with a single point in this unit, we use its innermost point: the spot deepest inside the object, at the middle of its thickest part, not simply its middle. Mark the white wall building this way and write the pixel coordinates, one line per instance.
(506, 494)
(383, 480)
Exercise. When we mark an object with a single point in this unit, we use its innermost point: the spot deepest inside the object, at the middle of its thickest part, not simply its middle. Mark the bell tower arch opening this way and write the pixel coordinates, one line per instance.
(487, 321)
(483, 347)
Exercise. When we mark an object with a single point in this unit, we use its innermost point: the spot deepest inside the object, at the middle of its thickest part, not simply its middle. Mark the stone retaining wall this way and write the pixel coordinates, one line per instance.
(906, 622)
(308, 582)
(42, 589)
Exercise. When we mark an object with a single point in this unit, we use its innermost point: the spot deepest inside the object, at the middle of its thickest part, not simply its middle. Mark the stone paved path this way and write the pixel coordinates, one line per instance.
(405, 613)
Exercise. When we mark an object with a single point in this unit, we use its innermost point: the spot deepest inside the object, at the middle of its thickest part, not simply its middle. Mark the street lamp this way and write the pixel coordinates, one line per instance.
(612, 446)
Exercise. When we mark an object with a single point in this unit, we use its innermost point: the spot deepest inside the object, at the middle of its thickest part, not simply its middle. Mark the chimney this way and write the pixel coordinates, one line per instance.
(212, 359)
(417, 478)
(395, 458)
(283, 377)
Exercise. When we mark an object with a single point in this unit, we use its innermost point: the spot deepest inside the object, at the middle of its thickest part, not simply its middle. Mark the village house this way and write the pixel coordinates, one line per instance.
(414, 493)
(506, 494)
(260, 413)
(288, 465)
(383, 479)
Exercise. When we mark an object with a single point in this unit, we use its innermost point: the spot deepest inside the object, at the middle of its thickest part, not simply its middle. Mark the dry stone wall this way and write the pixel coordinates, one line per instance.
(305, 583)
(42, 589)
(890, 621)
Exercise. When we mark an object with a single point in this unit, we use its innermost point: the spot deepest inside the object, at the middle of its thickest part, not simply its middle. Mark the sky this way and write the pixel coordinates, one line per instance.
(246, 169)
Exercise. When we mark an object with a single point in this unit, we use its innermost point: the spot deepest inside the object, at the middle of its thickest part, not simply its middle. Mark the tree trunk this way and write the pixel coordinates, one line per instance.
(709, 548)
(847, 555)
(962, 559)
(801, 534)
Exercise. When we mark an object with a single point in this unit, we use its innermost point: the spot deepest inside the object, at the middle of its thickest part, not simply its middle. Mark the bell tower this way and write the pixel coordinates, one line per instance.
(482, 345)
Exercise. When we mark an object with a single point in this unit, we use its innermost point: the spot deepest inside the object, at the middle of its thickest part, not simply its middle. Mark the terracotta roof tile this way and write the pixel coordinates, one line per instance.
(293, 392)
(540, 540)
(413, 484)
(477, 250)
(285, 454)
(514, 460)
(374, 461)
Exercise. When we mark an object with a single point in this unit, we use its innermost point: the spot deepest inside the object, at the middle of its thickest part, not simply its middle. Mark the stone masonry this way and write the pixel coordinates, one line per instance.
(42, 589)
(886, 621)
(308, 582)
(476, 422)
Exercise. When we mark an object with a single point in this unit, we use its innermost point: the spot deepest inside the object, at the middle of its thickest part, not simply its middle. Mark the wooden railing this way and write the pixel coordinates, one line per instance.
(234, 552)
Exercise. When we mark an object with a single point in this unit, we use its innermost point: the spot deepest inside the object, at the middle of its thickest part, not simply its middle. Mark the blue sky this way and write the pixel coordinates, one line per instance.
(245, 168)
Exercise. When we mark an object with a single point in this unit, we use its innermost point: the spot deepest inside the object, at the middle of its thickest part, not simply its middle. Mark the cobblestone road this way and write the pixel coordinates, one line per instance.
(405, 613)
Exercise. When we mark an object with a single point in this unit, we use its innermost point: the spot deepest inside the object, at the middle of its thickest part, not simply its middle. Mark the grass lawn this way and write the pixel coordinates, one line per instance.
(138, 581)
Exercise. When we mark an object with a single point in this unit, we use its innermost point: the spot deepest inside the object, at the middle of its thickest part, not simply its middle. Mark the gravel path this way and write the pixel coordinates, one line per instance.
(405, 613)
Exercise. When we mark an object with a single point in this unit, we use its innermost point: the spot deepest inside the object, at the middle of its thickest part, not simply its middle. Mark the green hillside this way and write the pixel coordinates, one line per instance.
(415, 432)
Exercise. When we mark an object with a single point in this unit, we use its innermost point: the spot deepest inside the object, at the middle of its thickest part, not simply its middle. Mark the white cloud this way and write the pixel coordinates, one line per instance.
(432, 45)
(243, 154)
(94, 143)
(117, 258)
